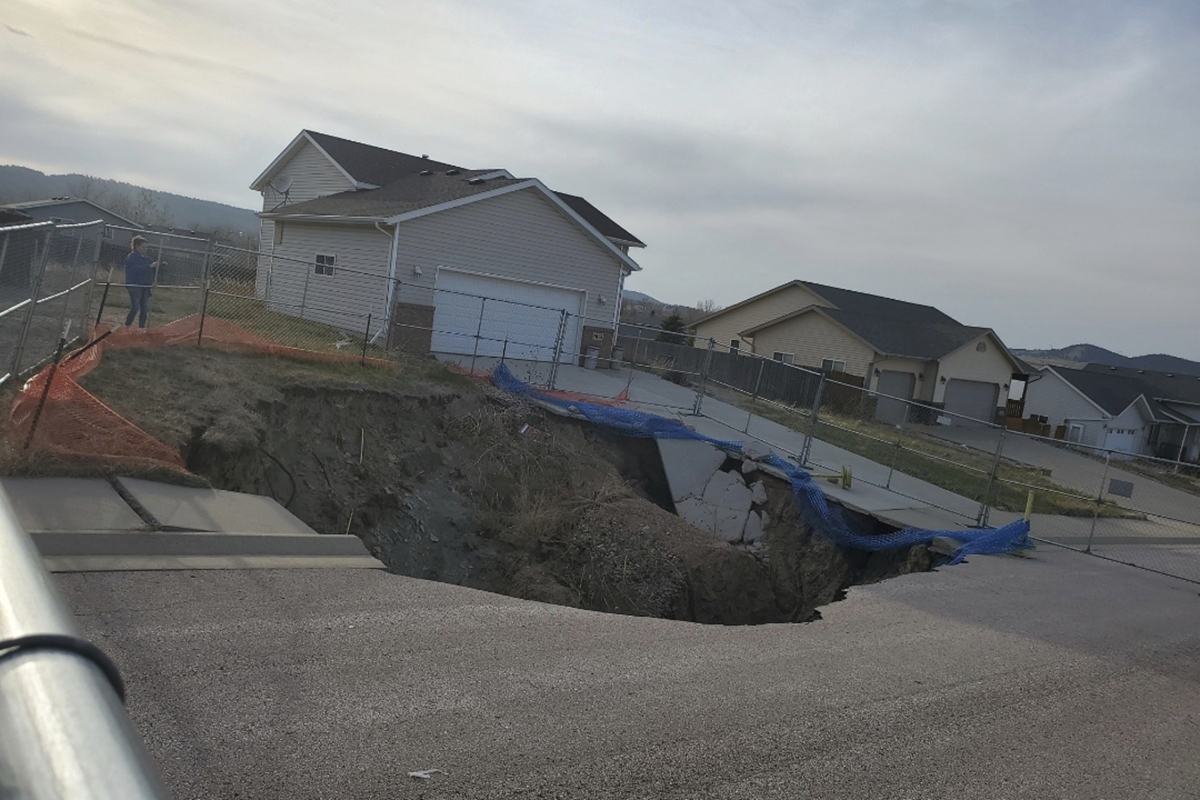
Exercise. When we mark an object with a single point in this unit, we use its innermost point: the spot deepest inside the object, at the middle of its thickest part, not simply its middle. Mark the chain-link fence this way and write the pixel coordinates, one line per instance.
(1136, 509)
(45, 285)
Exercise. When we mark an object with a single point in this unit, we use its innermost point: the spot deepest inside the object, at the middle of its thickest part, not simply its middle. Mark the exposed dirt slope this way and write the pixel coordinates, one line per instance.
(448, 480)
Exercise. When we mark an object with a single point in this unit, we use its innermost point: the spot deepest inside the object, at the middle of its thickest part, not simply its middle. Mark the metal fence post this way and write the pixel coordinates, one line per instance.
(4, 254)
(812, 423)
(750, 414)
(34, 290)
(95, 272)
(985, 510)
(205, 283)
(1099, 501)
(895, 456)
(478, 333)
(559, 341)
(62, 318)
(703, 377)
(304, 295)
(366, 337)
(633, 361)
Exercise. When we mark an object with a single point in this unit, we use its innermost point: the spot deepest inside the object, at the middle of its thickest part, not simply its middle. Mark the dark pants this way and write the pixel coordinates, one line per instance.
(139, 304)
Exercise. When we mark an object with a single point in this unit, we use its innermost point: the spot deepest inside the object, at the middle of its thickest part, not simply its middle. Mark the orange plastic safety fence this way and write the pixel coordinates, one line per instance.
(73, 425)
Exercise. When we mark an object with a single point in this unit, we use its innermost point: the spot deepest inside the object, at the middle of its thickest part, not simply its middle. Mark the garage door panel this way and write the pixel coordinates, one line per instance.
(974, 400)
(518, 320)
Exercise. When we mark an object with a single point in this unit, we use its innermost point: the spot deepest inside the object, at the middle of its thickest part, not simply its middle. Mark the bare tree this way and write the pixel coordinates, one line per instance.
(86, 187)
(706, 307)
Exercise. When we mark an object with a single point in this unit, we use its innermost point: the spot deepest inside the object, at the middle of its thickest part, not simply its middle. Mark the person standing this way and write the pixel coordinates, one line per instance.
(139, 277)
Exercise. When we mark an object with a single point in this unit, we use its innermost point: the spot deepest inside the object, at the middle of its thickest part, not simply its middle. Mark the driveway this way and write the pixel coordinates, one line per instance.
(1079, 472)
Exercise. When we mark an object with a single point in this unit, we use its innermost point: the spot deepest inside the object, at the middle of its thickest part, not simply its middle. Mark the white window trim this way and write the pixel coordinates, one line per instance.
(783, 357)
(329, 263)
(834, 362)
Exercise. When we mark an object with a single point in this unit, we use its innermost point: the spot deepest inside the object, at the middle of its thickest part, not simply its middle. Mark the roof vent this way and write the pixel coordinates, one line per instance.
(475, 181)
(426, 172)
(453, 171)
(60, 198)
(1141, 372)
(1113, 369)
(424, 155)
(1170, 374)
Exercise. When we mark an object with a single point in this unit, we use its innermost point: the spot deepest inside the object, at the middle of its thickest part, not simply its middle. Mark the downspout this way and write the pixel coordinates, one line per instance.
(391, 287)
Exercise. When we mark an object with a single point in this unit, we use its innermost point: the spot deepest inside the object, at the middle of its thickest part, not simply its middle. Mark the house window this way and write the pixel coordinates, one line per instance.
(325, 265)
(108, 233)
(735, 345)
(832, 365)
(784, 358)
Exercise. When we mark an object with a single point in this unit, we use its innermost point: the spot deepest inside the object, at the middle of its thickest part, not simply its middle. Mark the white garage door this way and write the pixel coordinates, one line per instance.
(526, 316)
(975, 400)
(1124, 440)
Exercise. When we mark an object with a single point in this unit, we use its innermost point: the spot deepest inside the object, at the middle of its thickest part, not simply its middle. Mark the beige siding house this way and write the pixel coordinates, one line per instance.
(434, 257)
(900, 349)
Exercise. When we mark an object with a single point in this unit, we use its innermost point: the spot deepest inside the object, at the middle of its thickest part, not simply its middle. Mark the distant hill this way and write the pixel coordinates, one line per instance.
(145, 206)
(1091, 354)
(638, 297)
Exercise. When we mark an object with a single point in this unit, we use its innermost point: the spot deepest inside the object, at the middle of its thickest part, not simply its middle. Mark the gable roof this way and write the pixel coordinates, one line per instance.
(418, 195)
(373, 168)
(889, 336)
(62, 201)
(850, 300)
(1112, 393)
(1161, 385)
(600, 221)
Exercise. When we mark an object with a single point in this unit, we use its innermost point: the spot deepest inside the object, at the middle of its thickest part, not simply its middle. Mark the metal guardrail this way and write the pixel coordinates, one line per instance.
(63, 730)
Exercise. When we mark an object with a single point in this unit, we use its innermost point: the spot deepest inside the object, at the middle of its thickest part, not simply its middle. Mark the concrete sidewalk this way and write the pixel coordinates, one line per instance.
(90, 524)
(1059, 676)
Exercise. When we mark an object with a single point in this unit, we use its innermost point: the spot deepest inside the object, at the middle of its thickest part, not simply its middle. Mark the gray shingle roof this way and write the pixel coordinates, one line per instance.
(394, 173)
(1173, 386)
(370, 164)
(928, 340)
(409, 193)
(1113, 393)
(598, 220)
(875, 305)
(890, 336)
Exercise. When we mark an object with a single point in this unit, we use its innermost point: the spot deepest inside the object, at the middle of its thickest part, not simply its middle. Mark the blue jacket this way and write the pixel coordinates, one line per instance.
(138, 271)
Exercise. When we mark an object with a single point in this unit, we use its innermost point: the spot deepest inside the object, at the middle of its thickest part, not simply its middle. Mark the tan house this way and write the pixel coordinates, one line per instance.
(900, 349)
(435, 257)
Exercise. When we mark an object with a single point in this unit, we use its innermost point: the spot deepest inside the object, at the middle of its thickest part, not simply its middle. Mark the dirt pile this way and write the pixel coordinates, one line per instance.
(447, 480)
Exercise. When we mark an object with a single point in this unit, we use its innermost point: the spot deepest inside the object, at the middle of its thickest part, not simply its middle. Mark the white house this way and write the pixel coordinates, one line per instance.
(1097, 410)
(441, 258)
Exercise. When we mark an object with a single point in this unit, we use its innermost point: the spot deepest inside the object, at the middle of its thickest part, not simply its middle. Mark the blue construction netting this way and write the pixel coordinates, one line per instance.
(828, 520)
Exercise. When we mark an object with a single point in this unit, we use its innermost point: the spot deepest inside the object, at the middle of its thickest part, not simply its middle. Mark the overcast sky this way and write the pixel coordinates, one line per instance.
(1028, 166)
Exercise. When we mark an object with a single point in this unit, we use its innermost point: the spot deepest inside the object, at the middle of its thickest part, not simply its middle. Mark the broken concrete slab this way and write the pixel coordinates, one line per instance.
(730, 524)
(754, 528)
(697, 513)
(178, 543)
(758, 493)
(70, 504)
(689, 465)
(187, 509)
(727, 489)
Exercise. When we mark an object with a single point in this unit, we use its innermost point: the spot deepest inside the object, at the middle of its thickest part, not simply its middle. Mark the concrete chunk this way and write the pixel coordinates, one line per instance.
(754, 528)
(730, 524)
(758, 493)
(689, 465)
(696, 512)
(726, 489)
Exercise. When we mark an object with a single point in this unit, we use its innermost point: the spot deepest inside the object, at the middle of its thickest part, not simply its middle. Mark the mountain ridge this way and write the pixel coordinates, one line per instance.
(1093, 354)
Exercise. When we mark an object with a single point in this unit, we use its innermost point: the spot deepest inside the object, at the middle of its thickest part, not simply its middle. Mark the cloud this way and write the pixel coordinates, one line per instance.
(1029, 166)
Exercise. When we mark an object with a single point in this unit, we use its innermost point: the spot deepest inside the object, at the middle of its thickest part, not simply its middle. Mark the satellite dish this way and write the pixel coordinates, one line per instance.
(281, 183)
